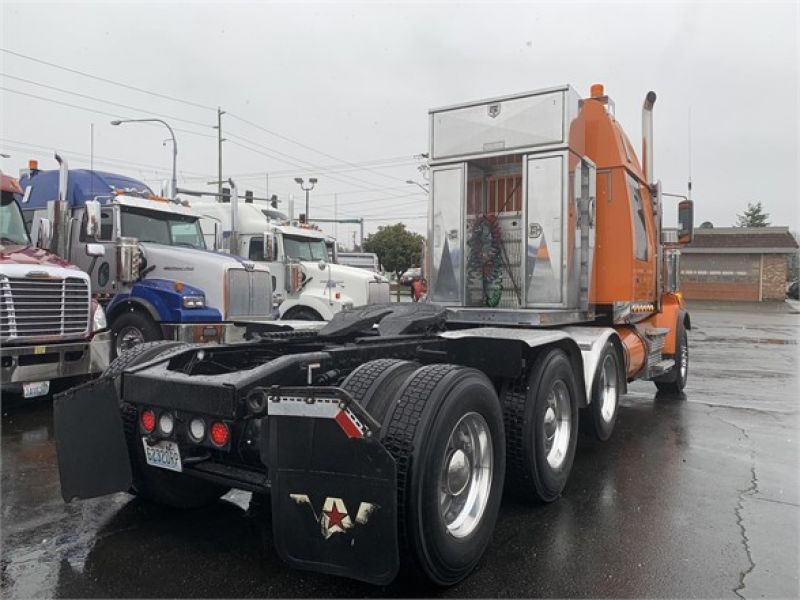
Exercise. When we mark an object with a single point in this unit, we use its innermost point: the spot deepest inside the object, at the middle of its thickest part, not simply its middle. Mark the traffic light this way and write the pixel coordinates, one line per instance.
(273, 201)
(226, 195)
(302, 217)
(248, 196)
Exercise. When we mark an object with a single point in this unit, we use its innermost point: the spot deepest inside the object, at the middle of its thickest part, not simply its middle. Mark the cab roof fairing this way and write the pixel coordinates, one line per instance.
(83, 185)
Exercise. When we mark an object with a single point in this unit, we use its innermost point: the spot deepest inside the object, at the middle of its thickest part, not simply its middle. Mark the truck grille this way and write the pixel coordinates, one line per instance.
(249, 294)
(43, 308)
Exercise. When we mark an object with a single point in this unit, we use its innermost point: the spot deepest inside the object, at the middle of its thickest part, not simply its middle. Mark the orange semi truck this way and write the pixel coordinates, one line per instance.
(386, 436)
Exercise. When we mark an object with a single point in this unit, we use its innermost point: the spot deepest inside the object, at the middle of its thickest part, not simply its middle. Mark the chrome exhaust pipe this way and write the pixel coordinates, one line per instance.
(58, 244)
(647, 137)
(63, 177)
(234, 239)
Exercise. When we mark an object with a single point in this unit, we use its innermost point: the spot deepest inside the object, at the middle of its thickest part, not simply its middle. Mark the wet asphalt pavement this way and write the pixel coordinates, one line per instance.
(692, 497)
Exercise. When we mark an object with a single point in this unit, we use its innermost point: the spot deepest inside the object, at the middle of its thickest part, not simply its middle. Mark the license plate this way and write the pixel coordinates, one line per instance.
(33, 389)
(164, 455)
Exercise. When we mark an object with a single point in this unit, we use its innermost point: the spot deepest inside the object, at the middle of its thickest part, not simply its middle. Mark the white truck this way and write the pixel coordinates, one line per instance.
(151, 269)
(307, 284)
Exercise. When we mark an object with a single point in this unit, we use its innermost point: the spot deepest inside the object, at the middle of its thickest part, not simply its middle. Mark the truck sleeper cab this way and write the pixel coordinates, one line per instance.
(399, 426)
(156, 277)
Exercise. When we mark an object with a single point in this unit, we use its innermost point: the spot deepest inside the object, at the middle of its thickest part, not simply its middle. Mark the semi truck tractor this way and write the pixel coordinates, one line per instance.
(308, 284)
(384, 440)
(155, 276)
(50, 328)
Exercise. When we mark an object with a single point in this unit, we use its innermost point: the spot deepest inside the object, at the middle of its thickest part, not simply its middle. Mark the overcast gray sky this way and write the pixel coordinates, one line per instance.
(346, 86)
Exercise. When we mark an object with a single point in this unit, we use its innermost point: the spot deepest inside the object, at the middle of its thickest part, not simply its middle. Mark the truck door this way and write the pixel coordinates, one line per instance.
(643, 250)
(445, 234)
(102, 270)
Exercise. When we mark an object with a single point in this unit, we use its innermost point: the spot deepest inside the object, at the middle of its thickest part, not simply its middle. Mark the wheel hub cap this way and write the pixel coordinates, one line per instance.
(466, 475)
(608, 389)
(458, 472)
(128, 338)
(557, 425)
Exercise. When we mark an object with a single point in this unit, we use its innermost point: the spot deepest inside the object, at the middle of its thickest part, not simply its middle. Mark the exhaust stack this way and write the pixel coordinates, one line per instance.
(234, 239)
(647, 137)
(58, 215)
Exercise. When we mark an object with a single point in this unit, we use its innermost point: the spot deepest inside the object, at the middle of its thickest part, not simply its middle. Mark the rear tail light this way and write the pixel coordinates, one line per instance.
(220, 434)
(148, 420)
(197, 430)
(166, 423)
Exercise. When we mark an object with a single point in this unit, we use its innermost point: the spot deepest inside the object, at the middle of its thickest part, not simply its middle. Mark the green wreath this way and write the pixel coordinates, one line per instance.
(485, 257)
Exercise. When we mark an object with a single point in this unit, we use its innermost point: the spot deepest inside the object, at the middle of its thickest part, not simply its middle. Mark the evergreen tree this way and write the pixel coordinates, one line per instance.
(754, 216)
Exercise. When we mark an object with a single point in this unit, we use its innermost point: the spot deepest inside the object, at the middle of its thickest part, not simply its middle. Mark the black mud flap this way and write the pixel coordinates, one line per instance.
(334, 490)
(90, 441)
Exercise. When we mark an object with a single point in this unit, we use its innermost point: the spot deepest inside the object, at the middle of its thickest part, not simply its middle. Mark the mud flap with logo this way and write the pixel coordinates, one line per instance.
(334, 491)
(90, 441)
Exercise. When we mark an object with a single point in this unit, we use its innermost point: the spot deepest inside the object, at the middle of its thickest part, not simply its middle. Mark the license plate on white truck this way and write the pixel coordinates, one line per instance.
(164, 455)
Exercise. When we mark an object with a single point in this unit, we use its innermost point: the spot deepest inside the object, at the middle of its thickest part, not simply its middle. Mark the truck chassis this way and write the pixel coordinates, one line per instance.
(383, 439)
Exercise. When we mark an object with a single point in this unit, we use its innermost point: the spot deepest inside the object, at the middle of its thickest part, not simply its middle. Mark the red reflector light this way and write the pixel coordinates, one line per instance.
(219, 433)
(148, 420)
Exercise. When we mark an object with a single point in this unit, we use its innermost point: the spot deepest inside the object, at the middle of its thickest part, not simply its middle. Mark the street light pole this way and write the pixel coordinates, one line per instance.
(418, 184)
(313, 182)
(174, 190)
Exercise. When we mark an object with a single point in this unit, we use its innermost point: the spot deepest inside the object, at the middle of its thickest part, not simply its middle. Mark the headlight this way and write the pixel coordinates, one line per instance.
(98, 319)
(194, 302)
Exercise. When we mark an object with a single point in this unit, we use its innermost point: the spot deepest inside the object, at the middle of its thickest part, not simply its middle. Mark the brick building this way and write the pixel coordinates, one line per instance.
(737, 263)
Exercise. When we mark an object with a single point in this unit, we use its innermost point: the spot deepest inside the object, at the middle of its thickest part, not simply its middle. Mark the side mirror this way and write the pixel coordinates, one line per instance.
(270, 244)
(92, 218)
(685, 221)
(45, 233)
(322, 265)
(95, 250)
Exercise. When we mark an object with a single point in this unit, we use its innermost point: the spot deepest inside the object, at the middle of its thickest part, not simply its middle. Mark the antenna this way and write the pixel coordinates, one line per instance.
(689, 195)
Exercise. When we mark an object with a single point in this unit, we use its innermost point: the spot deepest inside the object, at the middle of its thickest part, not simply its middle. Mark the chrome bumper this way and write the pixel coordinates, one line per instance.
(45, 362)
(201, 333)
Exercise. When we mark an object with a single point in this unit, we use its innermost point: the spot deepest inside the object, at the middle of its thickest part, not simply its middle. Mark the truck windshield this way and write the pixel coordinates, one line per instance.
(12, 225)
(162, 228)
(300, 248)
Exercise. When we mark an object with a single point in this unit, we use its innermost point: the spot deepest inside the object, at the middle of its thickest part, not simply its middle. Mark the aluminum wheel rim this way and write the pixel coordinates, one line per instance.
(557, 425)
(684, 358)
(466, 475)
(127, 338)
(608, 388)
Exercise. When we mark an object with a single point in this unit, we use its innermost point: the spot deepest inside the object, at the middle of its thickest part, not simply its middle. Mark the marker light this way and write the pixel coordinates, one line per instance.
(219, 433)
(166, 422)
(197, 429)
(148, 420)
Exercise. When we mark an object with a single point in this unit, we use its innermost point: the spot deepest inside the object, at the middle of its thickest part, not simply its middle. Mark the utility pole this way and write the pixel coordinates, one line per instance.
(220, 139)
(335, 217)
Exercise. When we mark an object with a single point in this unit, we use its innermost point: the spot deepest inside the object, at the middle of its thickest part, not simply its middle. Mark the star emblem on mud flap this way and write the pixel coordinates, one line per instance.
(333, 518)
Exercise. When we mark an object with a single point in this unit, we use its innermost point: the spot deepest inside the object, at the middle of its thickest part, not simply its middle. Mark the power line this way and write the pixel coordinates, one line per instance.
(302, 145)
(109, 160)
(95, 99)
(332, 168)
(105, 80)
(311, 166)
(91, 110)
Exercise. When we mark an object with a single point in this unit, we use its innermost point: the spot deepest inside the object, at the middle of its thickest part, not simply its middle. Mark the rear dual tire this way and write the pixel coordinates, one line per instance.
(541, 418)
(444, 427)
